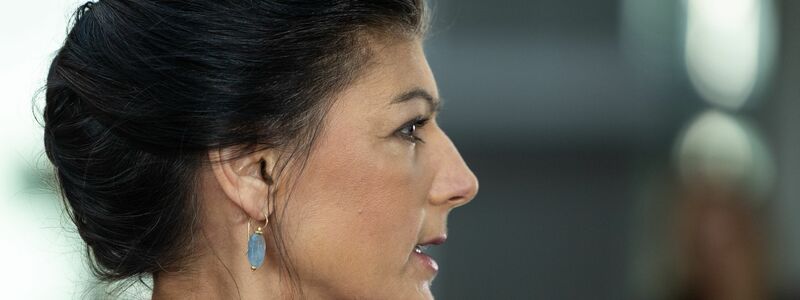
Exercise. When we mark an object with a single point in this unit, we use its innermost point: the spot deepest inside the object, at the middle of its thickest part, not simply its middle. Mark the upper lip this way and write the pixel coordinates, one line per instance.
(437, 240)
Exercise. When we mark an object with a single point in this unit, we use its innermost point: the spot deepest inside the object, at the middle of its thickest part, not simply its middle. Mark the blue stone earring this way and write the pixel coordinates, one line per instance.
(256, 245)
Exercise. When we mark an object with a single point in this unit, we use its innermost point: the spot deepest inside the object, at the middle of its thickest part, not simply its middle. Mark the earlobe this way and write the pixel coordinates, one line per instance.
(245, 180)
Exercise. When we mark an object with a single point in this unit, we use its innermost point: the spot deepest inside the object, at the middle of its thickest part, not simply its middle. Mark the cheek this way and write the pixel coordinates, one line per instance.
(358, 209)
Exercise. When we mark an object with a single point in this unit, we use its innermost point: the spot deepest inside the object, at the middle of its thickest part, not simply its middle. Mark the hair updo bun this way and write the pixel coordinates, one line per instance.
(140, 91)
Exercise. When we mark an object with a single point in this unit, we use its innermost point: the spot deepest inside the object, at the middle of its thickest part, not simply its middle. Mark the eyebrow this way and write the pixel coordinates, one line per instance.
(434, 104)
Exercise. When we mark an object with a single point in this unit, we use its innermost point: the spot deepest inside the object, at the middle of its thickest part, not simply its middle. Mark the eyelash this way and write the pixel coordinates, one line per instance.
(413, 125)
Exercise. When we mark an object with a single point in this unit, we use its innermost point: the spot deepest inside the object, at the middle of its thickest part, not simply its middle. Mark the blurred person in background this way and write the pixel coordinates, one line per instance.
(720, 243)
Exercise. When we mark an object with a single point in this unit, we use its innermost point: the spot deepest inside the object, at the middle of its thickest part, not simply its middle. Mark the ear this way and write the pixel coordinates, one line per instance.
(246, 179)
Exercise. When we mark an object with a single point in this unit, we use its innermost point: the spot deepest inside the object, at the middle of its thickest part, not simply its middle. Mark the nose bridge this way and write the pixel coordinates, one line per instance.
(454, 184)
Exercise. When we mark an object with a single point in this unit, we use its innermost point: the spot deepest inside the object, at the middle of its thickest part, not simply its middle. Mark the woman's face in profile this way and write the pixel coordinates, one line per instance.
(377, 184)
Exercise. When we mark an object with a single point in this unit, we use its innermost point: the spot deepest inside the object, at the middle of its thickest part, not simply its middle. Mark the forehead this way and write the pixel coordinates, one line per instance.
(364, 108)
(395, 67)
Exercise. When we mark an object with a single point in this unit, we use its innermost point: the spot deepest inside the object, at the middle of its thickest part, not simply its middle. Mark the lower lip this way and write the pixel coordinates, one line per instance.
(427, 261)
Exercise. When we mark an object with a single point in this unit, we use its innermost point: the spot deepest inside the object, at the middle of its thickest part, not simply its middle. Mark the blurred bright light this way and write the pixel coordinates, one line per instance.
(723, 148)
(729, 46)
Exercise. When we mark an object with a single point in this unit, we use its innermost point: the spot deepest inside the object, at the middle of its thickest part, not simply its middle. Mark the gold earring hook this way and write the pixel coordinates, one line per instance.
(266, 221)
(259, 230)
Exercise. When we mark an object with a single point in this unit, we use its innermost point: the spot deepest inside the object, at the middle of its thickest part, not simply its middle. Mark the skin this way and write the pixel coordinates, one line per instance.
(367, 197)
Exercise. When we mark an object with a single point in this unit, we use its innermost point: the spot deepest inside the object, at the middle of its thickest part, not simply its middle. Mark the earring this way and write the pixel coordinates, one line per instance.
(256, 245)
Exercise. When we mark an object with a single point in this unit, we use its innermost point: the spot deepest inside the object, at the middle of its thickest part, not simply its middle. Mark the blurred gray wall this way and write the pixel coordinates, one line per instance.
(560, 107)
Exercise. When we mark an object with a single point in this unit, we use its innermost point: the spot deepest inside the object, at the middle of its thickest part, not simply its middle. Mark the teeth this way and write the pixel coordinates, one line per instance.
(420, 248)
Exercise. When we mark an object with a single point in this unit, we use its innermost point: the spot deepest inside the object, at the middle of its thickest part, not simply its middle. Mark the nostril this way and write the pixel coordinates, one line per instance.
(454, 184)
(463, 186)
(456, 193)
(457, 198)
(467, 191)
(459, 201)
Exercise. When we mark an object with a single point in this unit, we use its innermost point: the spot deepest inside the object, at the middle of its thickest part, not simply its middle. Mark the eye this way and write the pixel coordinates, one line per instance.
(408, 130)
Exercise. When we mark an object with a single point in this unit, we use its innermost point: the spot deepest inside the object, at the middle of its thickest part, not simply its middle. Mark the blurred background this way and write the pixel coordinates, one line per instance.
(629, 149)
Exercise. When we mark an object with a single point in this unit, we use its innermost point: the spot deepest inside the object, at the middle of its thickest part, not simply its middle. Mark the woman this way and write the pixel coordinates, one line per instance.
(254, 149)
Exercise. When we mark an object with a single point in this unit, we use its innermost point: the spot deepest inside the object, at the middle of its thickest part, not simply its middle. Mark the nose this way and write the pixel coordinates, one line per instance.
(454, 183)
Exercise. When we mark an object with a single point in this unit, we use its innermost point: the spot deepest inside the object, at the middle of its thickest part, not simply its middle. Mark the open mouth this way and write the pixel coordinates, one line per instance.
(426, 260)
